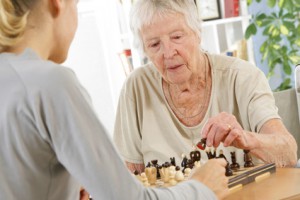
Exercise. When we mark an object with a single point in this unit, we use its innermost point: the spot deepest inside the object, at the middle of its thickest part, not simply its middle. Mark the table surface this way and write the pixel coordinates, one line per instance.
(283, 184)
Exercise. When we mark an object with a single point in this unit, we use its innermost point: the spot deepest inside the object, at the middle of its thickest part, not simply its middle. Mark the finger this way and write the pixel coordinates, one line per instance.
(222, 132)
(222, 162)
(231, 137)
(205, 129)
(211, 136)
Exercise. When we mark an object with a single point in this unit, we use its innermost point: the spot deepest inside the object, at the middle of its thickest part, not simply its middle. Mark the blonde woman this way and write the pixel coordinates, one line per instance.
(52, 142)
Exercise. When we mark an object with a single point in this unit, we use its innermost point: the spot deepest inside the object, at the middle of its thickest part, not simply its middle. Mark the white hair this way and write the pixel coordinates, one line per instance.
(143, 12)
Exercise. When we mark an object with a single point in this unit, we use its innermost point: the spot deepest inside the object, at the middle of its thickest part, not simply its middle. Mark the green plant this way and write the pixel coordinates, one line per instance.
(281, 30)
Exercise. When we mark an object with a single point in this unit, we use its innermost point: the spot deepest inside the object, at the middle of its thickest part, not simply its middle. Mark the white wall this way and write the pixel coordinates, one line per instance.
(94, 56)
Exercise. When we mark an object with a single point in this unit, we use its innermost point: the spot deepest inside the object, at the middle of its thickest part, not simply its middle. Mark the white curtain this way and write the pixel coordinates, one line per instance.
(94, 56)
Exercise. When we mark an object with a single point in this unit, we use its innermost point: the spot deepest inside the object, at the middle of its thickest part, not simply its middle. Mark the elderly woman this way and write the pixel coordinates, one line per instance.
(185, 94)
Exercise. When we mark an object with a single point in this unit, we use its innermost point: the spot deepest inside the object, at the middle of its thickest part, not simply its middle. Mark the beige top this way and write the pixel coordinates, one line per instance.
(147, 129)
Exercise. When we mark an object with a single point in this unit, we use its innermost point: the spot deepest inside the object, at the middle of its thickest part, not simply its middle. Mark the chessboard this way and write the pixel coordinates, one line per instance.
(244, 175)
(239, 177)
(169, 173)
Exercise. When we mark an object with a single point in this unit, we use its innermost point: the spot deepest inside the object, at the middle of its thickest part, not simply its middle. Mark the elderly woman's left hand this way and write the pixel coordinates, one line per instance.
(225, 128)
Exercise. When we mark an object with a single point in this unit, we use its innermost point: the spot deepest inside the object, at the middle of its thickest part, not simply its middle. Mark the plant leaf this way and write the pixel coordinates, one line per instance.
(284, 30)
(251, 30)
(271, 3)
(286, 68)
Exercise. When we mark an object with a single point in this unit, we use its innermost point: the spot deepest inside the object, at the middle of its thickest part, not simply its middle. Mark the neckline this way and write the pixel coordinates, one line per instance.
(202, 123)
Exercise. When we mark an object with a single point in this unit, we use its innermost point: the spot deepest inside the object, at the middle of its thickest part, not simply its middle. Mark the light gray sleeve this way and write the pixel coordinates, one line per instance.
(86, 151)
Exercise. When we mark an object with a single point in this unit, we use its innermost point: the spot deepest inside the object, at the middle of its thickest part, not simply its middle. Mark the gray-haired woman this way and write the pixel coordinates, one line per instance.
(185, 94)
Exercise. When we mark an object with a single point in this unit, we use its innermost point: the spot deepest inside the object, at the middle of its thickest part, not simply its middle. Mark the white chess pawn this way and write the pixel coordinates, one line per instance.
(187, 172)
(144, 179)
(179, 175)
(164, 174)
(172, 173)
(197, 164)
(151, 174)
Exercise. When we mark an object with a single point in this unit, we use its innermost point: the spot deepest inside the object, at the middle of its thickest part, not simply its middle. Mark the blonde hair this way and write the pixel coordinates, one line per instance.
(13, 20)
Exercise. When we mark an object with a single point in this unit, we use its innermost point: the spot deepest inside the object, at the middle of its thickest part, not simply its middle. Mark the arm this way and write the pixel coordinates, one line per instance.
(83, 147)
(135, 167)
(273, 143)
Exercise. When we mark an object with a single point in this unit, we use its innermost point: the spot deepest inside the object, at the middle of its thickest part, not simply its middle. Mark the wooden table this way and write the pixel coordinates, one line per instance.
(283, 184)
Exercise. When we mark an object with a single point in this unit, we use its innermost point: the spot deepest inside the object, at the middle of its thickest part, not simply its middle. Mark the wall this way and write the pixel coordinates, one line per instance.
(98, 67)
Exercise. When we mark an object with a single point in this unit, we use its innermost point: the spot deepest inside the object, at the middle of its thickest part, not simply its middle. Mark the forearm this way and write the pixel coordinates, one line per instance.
(135, 167)
(280, 149)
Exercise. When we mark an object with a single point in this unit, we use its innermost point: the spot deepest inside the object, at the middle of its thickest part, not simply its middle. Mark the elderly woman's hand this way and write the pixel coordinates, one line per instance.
(225, 128)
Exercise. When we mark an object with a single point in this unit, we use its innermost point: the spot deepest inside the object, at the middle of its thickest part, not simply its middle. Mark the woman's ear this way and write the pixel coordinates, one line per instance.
(55, 7)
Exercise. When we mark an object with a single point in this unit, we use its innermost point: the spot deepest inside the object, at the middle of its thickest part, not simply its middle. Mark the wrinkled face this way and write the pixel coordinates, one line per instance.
(172, 46)
(66, 28)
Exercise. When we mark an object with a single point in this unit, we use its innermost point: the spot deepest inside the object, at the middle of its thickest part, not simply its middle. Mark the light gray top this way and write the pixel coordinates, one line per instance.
(52, 142)
(147, 129)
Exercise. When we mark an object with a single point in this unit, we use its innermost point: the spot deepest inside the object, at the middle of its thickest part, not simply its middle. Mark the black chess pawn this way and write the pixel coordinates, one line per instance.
(190, 164)
(154, 164)
(148, 164)
(136, 172)
(248, 159)
(221, 155)
(228, 171)
(173, 162)
(234, 165)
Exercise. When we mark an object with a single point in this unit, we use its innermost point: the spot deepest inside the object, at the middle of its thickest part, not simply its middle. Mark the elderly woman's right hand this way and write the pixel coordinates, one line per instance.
(212, 174)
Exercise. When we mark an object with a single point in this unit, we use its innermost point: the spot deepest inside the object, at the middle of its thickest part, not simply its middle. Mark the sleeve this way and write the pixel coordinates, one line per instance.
(256, 101)
(127, 136)
(86, 151)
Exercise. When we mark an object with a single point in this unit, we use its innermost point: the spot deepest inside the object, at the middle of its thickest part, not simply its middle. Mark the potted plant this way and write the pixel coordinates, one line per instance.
(281, 31)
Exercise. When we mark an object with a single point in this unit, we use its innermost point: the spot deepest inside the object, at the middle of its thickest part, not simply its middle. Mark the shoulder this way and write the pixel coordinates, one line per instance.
(233, 65)
(143, 77)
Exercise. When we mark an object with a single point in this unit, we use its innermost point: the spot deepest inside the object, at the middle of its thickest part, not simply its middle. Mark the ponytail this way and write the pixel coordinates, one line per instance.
(13, 20)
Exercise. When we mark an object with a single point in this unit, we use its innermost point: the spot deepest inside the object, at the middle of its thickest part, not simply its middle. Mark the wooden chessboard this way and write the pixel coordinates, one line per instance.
(244, 176)
(240, 177)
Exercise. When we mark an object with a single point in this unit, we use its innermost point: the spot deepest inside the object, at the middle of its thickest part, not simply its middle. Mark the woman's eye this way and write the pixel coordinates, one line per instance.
(154, 45)
(177, 37)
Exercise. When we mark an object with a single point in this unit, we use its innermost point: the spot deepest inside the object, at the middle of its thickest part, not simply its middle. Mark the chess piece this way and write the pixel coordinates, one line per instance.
(209, 154)
(151, 174)
(197, 164)
(187, 172)
(179, 175)
(221, 155)
(228, 171)
(148, 164)
(234, 165)
(248, 159)
(190, 164)
(202, 144)
(184, 162)
(164, 173)
(144, 179)
(173, 162)
(195, 156)
(154, 164)
(172, 173)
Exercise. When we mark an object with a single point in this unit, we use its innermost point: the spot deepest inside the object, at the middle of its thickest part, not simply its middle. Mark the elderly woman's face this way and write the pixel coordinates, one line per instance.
(172, 46)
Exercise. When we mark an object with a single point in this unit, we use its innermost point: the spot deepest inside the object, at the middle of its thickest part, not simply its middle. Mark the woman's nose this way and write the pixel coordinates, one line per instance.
(169, 50)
